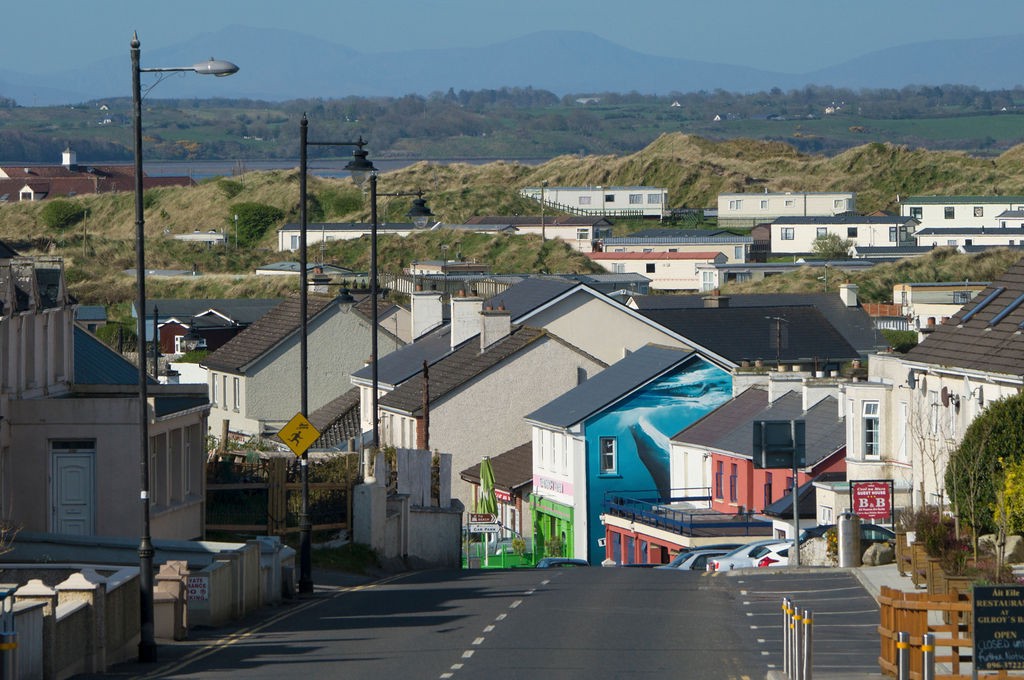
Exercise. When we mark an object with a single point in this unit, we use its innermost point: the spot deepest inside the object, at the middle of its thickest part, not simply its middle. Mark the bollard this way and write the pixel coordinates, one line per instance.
(786, 607)
(806, 645)
(8, 655)
(903, 656)
(794, 631)
(928, 654)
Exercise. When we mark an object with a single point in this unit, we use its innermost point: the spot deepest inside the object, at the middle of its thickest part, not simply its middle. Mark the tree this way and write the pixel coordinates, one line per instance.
(975, 476)
(254, 219)
(832, 247)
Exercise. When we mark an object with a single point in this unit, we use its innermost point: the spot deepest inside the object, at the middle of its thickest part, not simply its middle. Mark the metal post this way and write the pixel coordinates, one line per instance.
(374, 378)
(786, 609)
(305, 525)
(806, 631)
(794, 633)
(156, 335)
(928, 657)
(794, 557)
(903, 655)
(147, 639)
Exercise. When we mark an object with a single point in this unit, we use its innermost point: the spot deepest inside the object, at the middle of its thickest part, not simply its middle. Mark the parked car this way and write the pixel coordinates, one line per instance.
(685, 553)
(869, 533)
(696, 560)
(558, 562)
(777, 555)
(745, 556)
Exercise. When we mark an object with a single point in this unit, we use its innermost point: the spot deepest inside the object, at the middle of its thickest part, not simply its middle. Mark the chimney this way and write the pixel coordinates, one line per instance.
(465, 318)
(68, 159)
(716, 300)
(427, 312)
(495, 325)
(848, 294)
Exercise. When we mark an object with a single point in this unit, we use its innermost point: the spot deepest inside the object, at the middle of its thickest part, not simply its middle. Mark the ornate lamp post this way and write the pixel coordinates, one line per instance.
(147, 641)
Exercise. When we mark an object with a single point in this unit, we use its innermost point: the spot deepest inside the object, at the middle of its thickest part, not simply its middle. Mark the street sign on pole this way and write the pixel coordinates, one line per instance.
(482, 518)
(490, 528)
(299, 434)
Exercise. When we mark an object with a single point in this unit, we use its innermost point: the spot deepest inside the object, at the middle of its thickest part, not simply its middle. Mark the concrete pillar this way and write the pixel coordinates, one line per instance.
(169, 601)
(89, 587)
(369, 509)
(36, 591)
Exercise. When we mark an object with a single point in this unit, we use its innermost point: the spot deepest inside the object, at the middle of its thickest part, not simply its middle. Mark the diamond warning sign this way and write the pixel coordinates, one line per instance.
(299, 434)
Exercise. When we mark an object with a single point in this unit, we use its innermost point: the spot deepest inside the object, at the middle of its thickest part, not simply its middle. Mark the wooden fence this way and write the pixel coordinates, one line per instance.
(947, 616)
(264, 497)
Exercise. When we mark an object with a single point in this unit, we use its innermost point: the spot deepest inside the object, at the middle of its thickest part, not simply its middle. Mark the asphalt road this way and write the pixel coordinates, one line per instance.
(535, 623)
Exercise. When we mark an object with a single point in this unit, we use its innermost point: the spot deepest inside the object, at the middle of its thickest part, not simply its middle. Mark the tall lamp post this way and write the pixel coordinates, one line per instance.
(360, 168)
(420, 215)
(147, 640)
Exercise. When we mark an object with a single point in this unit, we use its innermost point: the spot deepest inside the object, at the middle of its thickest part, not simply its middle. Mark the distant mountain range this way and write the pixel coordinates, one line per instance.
(280, 65)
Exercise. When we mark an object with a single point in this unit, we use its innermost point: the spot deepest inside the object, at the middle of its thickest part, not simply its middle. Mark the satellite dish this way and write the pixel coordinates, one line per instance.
(945, 396)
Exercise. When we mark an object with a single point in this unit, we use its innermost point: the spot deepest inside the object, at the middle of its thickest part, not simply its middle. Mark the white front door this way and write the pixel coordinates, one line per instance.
(73, 485)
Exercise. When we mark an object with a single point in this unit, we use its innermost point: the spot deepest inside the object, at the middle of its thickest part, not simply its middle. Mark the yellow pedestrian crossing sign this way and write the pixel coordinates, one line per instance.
(299, 434)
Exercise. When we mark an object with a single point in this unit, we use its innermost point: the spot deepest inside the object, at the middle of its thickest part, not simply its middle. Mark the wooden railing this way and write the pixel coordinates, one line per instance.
(947, 616)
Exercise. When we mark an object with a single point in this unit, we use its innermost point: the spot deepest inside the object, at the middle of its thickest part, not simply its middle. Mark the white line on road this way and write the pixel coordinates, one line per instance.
(456, 666)
(468, 653)
(545, 582)
(447, 675)
(479, 641)
(515, 604)
(500, 617)
(488, 628)
(531, 591)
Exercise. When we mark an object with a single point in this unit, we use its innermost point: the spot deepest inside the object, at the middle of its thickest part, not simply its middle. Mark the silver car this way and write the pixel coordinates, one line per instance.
(746, 556)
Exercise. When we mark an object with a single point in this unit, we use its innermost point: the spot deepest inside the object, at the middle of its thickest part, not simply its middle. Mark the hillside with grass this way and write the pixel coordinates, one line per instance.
(99, 245)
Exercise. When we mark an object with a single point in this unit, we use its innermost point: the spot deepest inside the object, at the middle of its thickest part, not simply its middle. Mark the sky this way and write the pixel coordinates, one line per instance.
(792, 36)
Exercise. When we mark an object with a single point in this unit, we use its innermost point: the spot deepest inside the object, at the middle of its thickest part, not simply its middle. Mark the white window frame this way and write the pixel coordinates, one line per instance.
(608, 456)
(237, 396)
(788, 233)
(870, 425)
(636, 199)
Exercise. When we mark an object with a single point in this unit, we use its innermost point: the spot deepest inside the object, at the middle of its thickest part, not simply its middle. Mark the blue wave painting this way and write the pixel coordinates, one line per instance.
(644, 423)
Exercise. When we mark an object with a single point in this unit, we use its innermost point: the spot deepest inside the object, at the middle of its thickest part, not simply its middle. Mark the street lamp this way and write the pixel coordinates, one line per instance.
(360, 168)
(420, 214)
(147, 640)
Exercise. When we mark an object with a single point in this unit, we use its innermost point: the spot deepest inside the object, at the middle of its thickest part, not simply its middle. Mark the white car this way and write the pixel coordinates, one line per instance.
(777, 555)
(746, 556)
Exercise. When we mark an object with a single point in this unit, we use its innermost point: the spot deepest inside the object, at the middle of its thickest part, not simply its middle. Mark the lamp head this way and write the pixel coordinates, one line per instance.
(215, 67)
(360, 167)
(419, 212)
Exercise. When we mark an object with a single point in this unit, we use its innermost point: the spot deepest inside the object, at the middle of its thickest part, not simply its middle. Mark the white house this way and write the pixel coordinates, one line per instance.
(748, 209)
(633, 201)
(667, 271)
(797, 234)
(733, 246)
(931, 303)
(289, 236)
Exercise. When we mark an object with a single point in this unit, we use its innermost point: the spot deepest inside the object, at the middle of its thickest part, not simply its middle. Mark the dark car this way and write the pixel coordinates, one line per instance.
(869, 533)
(558, 562)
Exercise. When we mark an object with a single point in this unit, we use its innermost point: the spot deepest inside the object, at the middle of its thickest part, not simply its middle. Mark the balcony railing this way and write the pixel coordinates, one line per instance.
(668, 515)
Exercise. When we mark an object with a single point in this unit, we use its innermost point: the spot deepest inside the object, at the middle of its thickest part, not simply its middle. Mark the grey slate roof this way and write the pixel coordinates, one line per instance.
(271, 329)
(243, 311)
(610, 385)
(729, 428)
(519, 299)
(751, 333)
(90, 313)
(980, 337)
(338, 421)
(97, 364)
(512, 469)
(844, 218)
(853, 323)
(457, 369)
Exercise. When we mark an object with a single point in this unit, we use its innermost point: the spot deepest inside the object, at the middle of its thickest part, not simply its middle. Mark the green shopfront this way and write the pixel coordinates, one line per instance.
(552, 527)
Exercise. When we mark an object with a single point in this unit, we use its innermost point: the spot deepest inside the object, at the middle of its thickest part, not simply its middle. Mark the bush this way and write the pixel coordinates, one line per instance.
(900, 341)
(58, 214)
(229, 187)
(254, 219)
(935, 531)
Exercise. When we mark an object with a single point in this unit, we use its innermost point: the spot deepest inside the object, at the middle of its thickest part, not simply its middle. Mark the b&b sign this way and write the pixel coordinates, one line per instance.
(871, 500)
